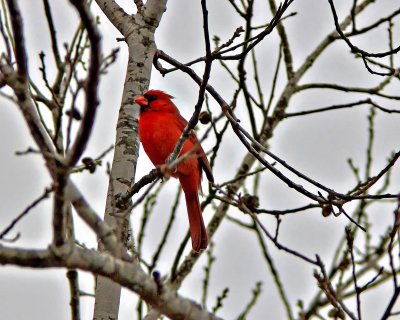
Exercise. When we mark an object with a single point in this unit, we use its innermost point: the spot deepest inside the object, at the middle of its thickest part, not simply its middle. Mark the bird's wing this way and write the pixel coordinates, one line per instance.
(203, 161)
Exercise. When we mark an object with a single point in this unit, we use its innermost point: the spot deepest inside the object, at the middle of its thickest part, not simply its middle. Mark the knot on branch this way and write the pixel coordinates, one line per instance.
(123, 201)
(159, 282)
(205, 117)
(251, 202)
(63, 251)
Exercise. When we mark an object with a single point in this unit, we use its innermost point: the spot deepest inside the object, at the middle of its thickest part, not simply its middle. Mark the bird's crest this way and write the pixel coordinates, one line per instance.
(158, 94)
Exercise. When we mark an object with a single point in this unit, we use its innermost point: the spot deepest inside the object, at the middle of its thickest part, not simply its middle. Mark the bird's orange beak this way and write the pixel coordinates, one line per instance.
(141, 101)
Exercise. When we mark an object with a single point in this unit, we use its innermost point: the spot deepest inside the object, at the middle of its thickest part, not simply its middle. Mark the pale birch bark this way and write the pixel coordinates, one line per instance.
(138, 31)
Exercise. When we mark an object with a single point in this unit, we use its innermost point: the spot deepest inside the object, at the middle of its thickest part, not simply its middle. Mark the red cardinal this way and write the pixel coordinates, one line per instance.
(160, 127)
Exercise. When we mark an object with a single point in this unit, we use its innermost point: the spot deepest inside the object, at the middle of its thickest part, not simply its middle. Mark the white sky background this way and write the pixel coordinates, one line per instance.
(316, 145)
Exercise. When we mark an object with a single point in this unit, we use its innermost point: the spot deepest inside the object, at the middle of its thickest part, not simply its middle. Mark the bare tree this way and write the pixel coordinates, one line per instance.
(278, 198)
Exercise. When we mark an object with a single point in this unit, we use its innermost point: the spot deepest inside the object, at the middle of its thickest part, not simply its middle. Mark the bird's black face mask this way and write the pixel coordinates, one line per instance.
(150, 98)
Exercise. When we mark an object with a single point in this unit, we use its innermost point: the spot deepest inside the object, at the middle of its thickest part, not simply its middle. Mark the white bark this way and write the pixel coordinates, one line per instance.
(130, 275)
(138, 31)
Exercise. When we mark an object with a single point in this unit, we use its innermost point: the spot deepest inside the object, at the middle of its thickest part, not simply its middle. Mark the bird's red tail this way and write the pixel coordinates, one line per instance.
(198, 232)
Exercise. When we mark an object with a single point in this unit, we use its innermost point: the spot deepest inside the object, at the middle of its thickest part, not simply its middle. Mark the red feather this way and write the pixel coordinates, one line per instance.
(160, 127)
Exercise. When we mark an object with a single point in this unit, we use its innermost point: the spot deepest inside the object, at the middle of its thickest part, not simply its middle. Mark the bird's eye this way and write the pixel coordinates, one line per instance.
(150, 97)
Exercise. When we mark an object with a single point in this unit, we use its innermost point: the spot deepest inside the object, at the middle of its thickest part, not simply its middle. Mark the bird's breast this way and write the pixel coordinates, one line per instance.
(158, 136)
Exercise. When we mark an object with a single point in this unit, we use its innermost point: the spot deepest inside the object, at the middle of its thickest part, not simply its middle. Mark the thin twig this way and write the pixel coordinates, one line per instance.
(91, 85)
(45, 195)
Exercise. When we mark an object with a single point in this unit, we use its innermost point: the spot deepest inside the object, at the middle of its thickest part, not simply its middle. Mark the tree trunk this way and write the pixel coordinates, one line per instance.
(138, 31)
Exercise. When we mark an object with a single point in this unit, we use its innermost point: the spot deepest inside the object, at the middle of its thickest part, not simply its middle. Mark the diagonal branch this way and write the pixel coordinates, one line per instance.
(127, 274)
(354, 48)
(18, 40)
(91, 85)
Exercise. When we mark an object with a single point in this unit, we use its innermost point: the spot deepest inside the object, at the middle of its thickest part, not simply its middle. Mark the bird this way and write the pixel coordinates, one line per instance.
(160, 127)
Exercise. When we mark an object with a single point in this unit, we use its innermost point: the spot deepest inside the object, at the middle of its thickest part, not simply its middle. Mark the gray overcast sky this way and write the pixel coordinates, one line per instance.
(316, 145)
